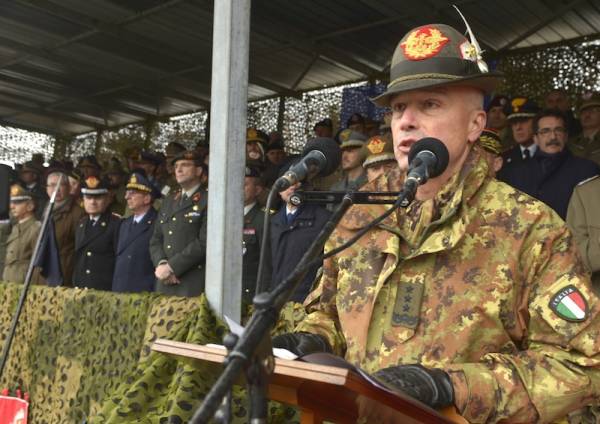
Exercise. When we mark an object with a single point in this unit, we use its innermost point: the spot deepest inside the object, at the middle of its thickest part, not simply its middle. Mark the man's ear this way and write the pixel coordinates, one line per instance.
(476, 125)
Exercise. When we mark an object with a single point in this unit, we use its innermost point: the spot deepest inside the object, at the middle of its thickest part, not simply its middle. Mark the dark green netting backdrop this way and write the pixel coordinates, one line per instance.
(85, 355)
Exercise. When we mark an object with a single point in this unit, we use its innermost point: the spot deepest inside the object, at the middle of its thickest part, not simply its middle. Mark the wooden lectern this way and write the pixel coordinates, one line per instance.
(321, 392)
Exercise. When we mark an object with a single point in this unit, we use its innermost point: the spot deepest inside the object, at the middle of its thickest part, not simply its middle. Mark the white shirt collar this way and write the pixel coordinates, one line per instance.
(290, 211)
(191, 191)
(248, 207)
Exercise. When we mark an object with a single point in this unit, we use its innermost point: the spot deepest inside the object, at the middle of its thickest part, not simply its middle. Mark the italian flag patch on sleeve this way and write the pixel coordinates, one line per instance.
(569, 304)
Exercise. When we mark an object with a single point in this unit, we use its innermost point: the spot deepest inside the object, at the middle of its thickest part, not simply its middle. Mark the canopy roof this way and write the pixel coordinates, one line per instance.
(72, 66)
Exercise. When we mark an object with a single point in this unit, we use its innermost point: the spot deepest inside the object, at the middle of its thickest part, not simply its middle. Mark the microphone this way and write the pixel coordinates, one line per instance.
(321, 156)
(427, 158)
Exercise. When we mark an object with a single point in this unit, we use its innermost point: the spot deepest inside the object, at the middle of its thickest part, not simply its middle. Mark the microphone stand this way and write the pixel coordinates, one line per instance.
(253, 350)
(28, 276)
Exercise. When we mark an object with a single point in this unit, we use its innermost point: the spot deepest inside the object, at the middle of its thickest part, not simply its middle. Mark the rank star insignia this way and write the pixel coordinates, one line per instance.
(424, 43)
(376, 145)
(569, 304)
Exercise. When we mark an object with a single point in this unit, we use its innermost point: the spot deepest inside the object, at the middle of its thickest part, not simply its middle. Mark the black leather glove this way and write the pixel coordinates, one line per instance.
(302, 343)
(432, 386)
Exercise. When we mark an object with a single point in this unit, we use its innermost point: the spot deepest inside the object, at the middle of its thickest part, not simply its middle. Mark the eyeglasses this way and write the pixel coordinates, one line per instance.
(556, 131)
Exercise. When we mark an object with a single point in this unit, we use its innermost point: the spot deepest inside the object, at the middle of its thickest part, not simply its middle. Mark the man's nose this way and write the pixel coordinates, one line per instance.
(408, 120)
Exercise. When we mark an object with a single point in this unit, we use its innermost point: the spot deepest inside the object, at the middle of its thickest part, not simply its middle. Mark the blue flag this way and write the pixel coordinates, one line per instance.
(48, 259)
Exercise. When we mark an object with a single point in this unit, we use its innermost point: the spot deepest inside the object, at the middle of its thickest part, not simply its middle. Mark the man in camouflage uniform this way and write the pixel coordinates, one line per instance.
(473, 296)
(587, 144)
(379, 154)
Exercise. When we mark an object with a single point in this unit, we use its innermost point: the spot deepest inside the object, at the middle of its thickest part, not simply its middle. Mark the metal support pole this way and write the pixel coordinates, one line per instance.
(229, 96)
(281, 115)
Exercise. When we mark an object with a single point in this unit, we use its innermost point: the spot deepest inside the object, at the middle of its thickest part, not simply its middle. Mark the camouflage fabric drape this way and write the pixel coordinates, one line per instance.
(84, 355)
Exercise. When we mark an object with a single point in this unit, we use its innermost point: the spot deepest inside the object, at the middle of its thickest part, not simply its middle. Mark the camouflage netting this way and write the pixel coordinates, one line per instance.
(576, 68)
(85, 355)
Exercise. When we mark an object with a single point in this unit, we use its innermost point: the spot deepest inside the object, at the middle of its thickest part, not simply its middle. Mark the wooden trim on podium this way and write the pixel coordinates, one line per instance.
(321, 392)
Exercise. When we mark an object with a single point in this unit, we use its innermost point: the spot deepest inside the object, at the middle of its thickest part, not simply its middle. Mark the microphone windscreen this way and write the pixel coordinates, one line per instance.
(436, 147)
(330, 150)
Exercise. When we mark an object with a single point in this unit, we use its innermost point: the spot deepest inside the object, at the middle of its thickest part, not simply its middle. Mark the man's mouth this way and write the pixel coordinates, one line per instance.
(405, 145)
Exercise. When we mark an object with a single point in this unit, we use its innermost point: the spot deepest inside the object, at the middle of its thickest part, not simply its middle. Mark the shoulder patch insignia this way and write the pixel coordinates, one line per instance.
(424, 43)
(569, 304)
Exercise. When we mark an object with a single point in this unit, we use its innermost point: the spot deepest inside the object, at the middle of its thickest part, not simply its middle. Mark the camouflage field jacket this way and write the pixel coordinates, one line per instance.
(483, 288)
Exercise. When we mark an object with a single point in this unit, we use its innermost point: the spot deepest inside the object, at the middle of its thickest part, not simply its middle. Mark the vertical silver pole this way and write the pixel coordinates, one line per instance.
(229, 96)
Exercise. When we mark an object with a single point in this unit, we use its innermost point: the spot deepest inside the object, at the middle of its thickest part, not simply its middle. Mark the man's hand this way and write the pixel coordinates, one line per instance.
(163, 271)
(172, 280)
(302, 343)
(431, 386)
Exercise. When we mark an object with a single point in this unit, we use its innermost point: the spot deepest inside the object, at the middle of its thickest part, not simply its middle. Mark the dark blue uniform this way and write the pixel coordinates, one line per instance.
(134, 270)
(95, 248)
(290, 241)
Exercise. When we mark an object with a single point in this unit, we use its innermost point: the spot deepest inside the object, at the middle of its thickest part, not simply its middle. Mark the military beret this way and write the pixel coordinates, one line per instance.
(327, 123)
(192, 155)
(499, 100)
(276, 145)
(356, 118)
(351, 138)
(18, 193)
(138, 181)
(89, 161)
(150, 157)
(174, 148)
(379, 149)
(589, 100)
(31, 166)
(94, 186)
(114, 167)
(436, 55)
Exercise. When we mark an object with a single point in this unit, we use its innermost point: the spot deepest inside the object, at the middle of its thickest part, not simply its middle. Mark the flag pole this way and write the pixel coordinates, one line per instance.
(28, 276)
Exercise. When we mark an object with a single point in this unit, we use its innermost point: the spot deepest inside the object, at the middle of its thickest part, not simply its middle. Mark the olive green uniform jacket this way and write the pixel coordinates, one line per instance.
(583, 219)
(466, 286)
(587, 148)
(179, 238)
(19, 250)
(252, 239)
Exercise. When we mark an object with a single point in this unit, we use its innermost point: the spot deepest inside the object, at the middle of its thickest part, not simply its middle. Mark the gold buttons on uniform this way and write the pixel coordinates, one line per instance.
(174, 219)
(87, 271)
(170, 232)
(168, 246)
(89, 253)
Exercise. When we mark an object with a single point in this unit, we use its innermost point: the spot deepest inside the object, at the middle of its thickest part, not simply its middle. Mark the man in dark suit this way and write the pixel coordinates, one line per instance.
(95, 238)
(134, 270)
(178, 242)
(553, 172)
(293, 229)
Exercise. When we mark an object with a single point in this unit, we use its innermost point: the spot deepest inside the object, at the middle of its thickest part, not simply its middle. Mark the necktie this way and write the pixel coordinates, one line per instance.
(184, 198)
(526, 154)
(290, 218)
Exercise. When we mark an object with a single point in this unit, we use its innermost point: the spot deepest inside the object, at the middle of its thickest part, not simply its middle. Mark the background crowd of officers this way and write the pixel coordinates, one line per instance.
(140, 224)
